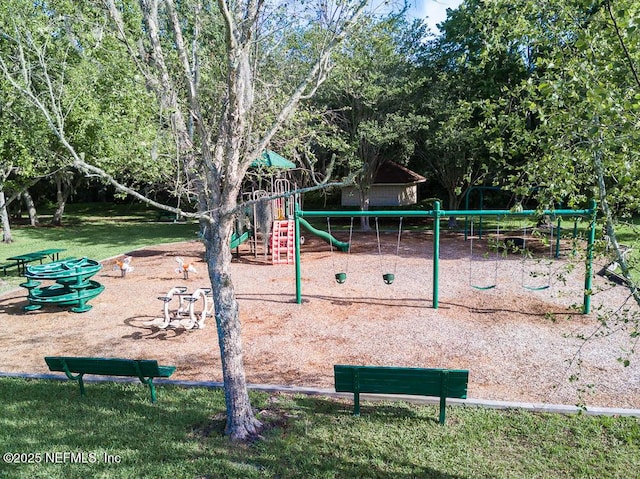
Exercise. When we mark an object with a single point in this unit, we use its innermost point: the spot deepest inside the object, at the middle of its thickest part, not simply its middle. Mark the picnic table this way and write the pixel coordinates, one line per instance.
(21, 261)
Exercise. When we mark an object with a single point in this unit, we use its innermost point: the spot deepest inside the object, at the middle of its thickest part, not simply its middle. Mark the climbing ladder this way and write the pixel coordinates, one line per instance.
(282, 242)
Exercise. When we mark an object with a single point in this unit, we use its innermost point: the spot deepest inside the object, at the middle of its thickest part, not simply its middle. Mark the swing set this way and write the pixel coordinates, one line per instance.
(437, 214)
(526, 258)
(388, 277)
(495, 261)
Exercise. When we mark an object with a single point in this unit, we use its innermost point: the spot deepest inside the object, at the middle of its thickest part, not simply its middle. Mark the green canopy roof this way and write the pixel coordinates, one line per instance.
(273, 160)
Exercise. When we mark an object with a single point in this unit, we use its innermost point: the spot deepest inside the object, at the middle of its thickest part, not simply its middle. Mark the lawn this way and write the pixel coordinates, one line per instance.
(116, 432)
(97, 231)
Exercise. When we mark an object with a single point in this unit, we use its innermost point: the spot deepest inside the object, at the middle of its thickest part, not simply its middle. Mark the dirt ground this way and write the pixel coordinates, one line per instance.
(520, 342)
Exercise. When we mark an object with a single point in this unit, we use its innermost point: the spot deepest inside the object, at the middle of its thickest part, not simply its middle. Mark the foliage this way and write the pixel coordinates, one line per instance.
(370, 97)
(582, 94)
(474, 117)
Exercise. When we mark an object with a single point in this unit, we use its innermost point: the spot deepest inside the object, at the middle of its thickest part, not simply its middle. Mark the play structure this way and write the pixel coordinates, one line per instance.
(530, 280)
(180, 308)
(268, 222)
(184, 268)
(124, 266)
(71, 286)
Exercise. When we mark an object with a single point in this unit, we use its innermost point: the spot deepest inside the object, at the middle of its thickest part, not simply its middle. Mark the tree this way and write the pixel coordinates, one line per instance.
(465, 94)
(218, 128)
(370, 97)
(583, 93)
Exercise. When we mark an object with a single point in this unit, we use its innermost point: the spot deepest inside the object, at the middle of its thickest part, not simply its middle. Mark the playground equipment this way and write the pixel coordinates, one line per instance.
(271, 220)
(340, 276)
(72, 286)
(472, 282)
(610, 271)
(527, 273)
(388, 278)
(437, 214)
(184, 313)
(124, 266)
(327, 236)
(184, 268)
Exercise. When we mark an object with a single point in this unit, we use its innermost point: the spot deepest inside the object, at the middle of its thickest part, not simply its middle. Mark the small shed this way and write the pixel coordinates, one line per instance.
(394, 185)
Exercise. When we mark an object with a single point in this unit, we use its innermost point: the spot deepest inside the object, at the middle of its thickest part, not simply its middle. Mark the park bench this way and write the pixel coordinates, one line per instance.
(442, 383)
(164, 215)
(143, 369)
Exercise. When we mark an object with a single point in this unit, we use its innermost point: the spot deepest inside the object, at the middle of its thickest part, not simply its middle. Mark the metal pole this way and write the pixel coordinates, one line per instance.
(588, 274)
(414, 213)
(297, 258)
(436, 252)
(558, 230)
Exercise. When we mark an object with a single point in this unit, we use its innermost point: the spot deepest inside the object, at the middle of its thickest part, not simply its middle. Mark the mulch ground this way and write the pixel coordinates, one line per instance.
(519, 342)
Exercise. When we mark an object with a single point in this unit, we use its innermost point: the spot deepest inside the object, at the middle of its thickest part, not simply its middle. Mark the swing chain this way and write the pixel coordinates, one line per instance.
(340, 276)
(389, 277)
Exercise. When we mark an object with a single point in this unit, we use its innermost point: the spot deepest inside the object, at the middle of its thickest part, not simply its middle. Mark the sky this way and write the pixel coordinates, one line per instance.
(435, 10)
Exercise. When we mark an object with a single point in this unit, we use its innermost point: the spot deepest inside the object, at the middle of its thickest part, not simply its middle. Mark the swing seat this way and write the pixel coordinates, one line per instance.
(536, 288)
(483, 288)
(388, 278)
(341, 278)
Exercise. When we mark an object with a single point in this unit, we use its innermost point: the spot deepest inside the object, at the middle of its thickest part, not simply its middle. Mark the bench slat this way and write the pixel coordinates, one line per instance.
(143, 369)
(109, 366)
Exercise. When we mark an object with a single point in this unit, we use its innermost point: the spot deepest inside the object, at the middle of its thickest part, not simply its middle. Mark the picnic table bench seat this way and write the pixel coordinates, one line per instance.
(442, 383)
(76, 367)
(6, 266)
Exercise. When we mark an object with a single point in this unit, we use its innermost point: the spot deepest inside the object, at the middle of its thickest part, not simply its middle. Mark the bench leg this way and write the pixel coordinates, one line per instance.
(81, 383)
(443, 406)
(356, 404)
(152, 388)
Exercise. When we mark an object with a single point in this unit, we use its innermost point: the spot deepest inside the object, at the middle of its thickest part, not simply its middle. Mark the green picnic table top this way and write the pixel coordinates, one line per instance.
(22, 259)
(37, 254)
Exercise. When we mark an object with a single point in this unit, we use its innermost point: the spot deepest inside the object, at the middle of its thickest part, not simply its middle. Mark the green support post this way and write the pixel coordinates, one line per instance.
(297, 258)
(558, 229)
(436, 252)
(588, 275)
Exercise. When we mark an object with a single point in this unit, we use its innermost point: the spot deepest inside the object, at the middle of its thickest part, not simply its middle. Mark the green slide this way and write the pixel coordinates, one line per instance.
(325, 236)
(237, 240)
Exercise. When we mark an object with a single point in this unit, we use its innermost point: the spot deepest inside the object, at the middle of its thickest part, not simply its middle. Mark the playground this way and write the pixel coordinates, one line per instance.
(519, 343)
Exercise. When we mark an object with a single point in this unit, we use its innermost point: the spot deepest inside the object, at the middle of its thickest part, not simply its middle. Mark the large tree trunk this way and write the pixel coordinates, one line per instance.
(453, 203)
(365, 224)
(31, 208)
(241, 422)
(4, 220)
(62, 195)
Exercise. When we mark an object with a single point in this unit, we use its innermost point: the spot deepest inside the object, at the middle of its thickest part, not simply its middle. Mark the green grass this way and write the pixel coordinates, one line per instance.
(97, 231)
(311, 437)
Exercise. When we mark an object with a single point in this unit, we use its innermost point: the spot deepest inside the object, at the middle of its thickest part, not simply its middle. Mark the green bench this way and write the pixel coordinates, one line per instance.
(143, 369)
(442, 383)
(164, 215)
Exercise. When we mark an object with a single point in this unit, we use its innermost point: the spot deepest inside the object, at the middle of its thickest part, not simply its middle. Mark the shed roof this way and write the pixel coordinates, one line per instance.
(393, 173)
